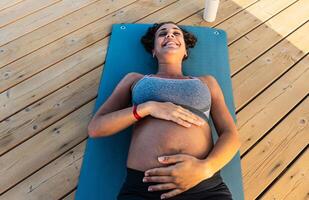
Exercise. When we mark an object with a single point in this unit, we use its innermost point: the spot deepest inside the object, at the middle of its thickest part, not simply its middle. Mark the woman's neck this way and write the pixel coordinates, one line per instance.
(170, 69)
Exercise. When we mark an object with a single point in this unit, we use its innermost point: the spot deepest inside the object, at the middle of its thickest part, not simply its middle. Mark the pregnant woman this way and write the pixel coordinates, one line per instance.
(171, 155)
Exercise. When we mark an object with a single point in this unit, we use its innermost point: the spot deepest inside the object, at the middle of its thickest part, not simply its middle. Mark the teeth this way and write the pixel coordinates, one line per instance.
(170, 43)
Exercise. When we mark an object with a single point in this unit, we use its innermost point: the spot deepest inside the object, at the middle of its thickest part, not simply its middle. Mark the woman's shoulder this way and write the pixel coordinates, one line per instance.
(207, 78)
(210, 81)
(135, 77)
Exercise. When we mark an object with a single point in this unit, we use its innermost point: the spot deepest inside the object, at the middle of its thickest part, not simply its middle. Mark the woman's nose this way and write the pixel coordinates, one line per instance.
(169, 35)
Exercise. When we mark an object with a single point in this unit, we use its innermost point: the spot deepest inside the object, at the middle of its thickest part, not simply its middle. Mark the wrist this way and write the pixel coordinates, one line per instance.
(143, 109)
(208, 170)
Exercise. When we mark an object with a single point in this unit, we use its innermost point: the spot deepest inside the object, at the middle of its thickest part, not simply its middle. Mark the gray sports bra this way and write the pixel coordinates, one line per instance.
(191, 94)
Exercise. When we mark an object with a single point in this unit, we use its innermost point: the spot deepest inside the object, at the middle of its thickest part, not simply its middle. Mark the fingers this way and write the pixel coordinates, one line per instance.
(181, 122)
(171, 193)
(192, 119)
(190, 114)
(164, 186)
(160, 171)
(159, 179)
(179, 115)
(183, 116)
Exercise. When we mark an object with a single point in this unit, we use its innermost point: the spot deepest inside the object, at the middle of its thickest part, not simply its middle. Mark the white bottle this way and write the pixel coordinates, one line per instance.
(210, 11)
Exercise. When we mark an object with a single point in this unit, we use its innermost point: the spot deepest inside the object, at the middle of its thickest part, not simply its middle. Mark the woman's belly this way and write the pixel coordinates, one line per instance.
(154, 137)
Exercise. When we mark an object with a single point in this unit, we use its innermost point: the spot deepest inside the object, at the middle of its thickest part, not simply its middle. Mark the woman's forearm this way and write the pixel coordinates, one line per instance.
(223, 151)
(108, 124)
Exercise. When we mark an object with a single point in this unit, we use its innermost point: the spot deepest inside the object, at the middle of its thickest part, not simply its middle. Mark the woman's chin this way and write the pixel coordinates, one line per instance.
(171, 53)
(171, 49)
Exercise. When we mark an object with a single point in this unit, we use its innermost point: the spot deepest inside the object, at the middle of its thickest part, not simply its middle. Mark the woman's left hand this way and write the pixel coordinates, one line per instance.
(186, 172)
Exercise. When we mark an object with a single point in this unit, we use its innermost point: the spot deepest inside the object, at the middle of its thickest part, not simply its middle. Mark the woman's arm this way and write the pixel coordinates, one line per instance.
(115, 115)
(111, 123)
(228, 142)
(107, 124)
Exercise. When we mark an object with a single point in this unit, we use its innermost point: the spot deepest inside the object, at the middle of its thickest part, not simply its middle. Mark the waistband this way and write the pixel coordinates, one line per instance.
(134, 180)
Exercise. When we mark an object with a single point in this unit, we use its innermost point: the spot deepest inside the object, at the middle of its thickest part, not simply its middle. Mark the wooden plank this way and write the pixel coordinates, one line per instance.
(8, 3)
(39, 115)
(8, 93)
(258, 117)
(257, 76)
(61, 27)
(253, 16)
(40, 18)
(10, 77)
(23, 9)
(53, 180)
(274, 153)
(294, 184)
(66, 46)
(57, 139)
(244, 21)
(63, 72)
(227, 8)
(253, 44)
(10, 74)
(175, 12)
(71, 196)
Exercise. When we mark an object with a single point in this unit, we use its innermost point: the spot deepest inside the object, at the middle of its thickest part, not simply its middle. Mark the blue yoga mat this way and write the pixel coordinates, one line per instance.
(104, 165)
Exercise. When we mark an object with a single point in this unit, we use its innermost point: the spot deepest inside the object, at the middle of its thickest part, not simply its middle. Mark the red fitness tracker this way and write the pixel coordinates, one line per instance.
(135, 113)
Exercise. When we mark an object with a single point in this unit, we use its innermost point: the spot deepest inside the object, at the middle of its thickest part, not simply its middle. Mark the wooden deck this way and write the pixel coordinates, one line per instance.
(51, 56)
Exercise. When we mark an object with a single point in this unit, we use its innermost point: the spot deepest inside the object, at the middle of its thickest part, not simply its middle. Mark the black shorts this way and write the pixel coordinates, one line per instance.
(134, 188)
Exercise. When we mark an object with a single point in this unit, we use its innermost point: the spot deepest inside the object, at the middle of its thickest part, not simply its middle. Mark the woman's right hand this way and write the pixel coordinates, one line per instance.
(173, 112)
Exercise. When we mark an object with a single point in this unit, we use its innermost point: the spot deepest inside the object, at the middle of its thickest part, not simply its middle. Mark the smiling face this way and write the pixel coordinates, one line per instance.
(169, 43)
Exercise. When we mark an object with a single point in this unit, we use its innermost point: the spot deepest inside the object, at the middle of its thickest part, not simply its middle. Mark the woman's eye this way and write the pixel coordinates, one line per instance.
(163, 33)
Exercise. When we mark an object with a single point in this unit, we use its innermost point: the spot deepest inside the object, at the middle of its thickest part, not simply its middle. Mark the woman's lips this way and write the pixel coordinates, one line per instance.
(170, 44)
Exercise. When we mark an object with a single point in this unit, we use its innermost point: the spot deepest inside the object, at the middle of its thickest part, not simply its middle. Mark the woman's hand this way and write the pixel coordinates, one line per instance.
(173, 112)
(185, 174)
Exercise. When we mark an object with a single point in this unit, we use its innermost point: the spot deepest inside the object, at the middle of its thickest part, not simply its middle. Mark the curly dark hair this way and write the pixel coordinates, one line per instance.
(148, 39)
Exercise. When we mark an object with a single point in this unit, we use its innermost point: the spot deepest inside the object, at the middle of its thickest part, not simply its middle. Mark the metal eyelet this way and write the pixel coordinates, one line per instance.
(122, 27)
(216, 32)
